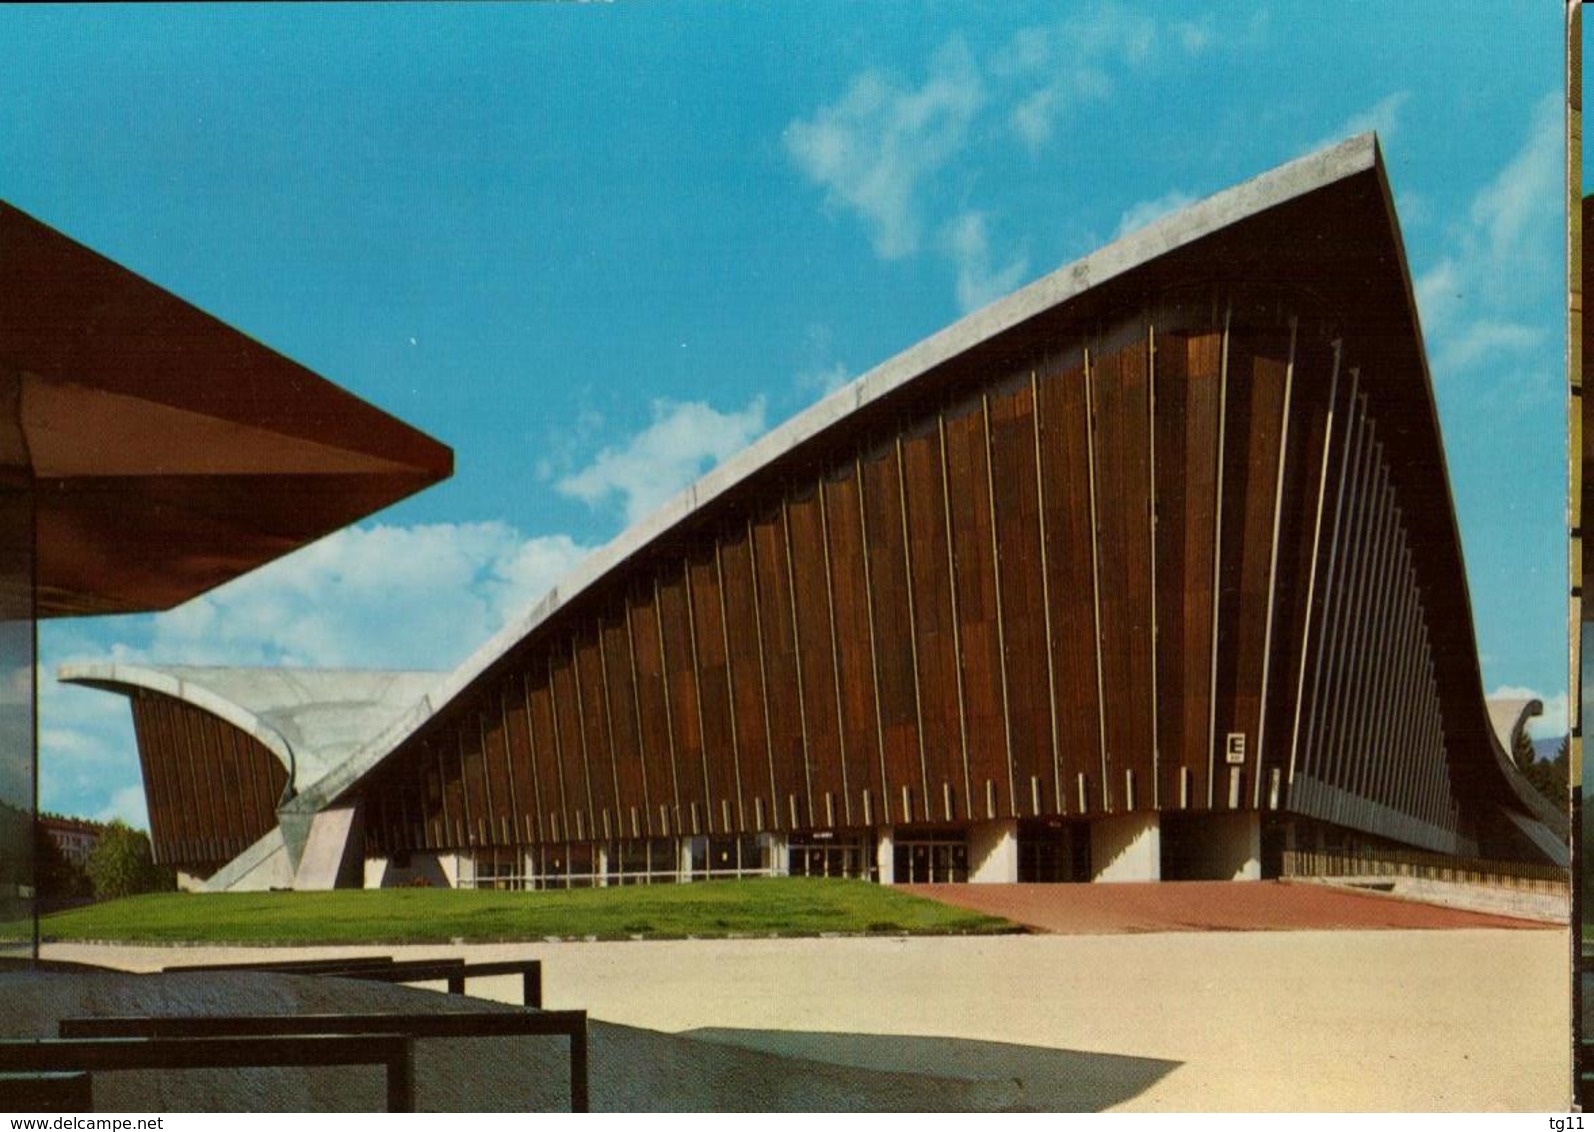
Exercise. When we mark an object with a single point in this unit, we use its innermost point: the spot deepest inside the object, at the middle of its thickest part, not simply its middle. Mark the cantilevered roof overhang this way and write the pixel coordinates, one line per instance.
(169, 452)
(311, 719)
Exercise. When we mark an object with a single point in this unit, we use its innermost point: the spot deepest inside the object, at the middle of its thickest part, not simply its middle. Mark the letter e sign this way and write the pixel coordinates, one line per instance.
(1234, 750)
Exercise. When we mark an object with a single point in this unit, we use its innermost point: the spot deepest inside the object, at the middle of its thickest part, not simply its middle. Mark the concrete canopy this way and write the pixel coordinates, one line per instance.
(310, 718)
(169, 452)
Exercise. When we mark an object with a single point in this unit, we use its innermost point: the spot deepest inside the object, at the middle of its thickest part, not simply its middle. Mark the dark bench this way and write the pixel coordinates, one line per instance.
(569, 1023)
(383, 969)
(326, 1046)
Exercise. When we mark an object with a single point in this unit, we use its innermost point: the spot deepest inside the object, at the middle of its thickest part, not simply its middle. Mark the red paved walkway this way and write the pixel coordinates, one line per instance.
(1105, 909)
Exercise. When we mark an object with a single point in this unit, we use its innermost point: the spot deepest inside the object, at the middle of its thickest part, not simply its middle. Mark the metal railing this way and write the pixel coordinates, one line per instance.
(1520, 875)
(291, 1028)
(384, 969)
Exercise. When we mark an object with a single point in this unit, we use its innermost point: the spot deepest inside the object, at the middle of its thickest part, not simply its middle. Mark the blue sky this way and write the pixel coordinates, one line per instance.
(596, 248)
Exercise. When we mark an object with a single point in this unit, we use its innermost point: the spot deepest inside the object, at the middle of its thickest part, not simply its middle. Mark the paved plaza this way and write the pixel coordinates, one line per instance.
(1394, 1019)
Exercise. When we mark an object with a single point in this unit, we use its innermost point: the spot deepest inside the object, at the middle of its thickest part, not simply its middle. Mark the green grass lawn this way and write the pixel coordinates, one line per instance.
(781, 906)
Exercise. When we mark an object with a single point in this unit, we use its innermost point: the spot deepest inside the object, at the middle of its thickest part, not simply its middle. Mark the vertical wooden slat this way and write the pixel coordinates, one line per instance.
(732, 714)
(1273, 568)
(1105, 770)
(1217, 561)
(1330, 438)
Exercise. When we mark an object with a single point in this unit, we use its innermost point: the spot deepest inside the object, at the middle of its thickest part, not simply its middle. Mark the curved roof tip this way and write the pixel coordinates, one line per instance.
(310, 719)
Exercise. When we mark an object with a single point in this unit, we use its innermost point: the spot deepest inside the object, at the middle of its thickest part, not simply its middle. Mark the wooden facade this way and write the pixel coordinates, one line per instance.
(1161, 568)
(1167, 532)
(212, 790)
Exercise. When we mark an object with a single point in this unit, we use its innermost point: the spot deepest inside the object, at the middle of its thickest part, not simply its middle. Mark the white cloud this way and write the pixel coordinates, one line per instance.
(1383, 116)
(1473, 300)
(127, 804)
(1080, 61)
(1137, 216)
(1550, 725)
(969, 247)
(684, 440)
(379, 596)
(823, 380)
(871, 150)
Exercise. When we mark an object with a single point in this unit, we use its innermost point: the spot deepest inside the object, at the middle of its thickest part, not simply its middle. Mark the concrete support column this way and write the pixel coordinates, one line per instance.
(333, 855)
(683, 859)
(993, 852)
(375, 871)
(885, 856)
(600, 864)
(779, 850)
(1126, 848)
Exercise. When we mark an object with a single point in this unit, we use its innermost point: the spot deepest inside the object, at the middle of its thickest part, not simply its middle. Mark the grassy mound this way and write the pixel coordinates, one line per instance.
(770, 906)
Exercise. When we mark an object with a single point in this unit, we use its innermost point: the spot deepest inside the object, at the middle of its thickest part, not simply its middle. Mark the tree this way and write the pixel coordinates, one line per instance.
(58, 879)
(1548, 776)
(122, 864)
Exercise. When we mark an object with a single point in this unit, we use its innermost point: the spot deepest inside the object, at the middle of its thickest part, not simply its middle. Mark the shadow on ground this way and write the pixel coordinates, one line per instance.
(632, 1069)
(959, 1074)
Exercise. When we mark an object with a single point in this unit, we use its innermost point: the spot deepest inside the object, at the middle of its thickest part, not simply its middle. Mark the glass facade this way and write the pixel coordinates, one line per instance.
(18, 751)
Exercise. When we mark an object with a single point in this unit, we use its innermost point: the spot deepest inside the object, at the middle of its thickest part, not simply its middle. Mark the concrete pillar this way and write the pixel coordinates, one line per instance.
(993, 852)
(779, 850)
(334, 851)
(375, 871)
(600, 864)
(1126, 848)
(683, 860)
(885, 856)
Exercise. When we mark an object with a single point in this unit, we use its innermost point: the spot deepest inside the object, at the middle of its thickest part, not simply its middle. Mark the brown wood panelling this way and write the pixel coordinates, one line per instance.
(779, 641)
(550, 768)
(190, 761)
(1303, 486)
(624, 726)
(685, 714)
(568, 740)
(815, 651)
(853, 640)
(1255, 397)
(969, 502)
(522, 763)
(1065, 471)
(893, 629)
(746, 675)
(466, 739)
(713, 680)
(1121, 388)
(654, 710)
(502, 829)
(1015, 490)
(597, 749)
(932, 606)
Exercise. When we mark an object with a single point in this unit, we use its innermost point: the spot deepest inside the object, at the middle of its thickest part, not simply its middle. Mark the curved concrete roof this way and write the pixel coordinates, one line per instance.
(311, 719)
(1307, 175)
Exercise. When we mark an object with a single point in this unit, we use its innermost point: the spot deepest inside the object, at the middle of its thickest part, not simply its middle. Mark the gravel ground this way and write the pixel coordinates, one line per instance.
(1380, 1020)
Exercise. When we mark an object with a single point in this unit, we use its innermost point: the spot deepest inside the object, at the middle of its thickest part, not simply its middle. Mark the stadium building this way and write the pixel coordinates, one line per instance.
(1150, 569)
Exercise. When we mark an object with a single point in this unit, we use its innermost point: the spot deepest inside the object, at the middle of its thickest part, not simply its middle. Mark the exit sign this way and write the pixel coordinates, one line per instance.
(1234, 749)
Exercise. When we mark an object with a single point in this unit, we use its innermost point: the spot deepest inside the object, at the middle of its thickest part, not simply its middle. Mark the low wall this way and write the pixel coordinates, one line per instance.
(1519, 876)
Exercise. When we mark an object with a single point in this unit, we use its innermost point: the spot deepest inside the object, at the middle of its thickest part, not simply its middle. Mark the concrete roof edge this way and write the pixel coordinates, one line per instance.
(1317, 170)
(118, 677)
